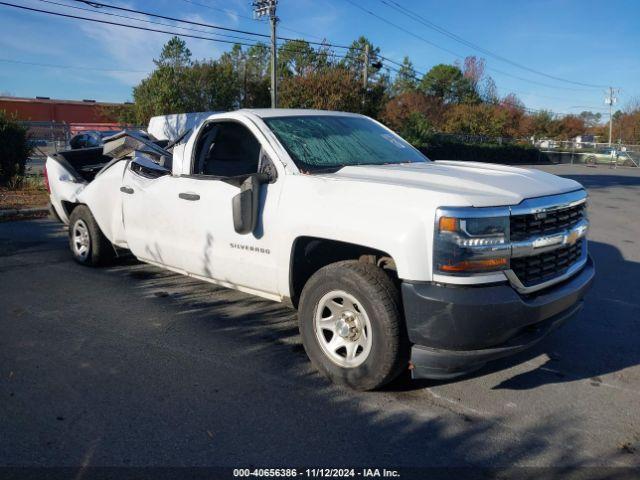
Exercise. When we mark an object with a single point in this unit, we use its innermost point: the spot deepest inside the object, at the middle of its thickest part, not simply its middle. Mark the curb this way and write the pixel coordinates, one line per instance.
(23, 212)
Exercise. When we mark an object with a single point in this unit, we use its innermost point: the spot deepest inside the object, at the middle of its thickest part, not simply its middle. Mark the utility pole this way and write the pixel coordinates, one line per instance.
(244, 80)
(365, 73)
(262, 8)
(610, 100)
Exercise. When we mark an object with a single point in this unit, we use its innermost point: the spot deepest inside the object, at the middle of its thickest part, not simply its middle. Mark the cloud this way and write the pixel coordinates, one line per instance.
(132, 49)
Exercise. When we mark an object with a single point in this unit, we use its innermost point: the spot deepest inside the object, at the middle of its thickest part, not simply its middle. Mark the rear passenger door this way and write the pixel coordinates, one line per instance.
(225, 153)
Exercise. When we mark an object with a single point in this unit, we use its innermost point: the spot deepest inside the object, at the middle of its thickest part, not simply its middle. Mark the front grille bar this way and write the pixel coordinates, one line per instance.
(532, 216)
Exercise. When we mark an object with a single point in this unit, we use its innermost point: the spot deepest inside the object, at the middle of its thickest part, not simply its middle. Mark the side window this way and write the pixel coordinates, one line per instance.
(226, 149)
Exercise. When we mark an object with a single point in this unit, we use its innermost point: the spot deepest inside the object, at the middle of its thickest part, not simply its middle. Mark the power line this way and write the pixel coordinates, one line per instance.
(439, 47)
(233, 12)
(288, 47)
(140, 12)
(144, 20)
(137, 27)
(201, 24)
(73, 67)
(410, 14)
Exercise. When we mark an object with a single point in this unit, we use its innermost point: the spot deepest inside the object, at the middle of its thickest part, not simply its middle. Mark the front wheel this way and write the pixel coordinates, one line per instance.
(351, 325)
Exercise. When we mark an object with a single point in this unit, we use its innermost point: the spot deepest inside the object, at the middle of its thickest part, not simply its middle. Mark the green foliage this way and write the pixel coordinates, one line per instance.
(14, 148)
(490, 153)
(354, 59)
(330, 89)
(417, 129)
(448, 98)
(406, 79)
(482, 119)
(174, 54)
(449, 84)
(296, 57)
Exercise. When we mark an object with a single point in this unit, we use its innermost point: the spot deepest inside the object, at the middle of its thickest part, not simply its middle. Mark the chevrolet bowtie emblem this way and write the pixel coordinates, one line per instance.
(572, 237)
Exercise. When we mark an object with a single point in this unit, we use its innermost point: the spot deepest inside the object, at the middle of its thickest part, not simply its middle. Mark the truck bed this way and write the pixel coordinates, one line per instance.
(83, 164)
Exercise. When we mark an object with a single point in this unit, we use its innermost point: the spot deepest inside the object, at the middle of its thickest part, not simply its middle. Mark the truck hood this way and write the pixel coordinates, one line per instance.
(469, 183)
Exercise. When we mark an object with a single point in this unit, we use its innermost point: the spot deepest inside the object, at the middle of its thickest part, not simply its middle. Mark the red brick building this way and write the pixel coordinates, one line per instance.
(44, 109)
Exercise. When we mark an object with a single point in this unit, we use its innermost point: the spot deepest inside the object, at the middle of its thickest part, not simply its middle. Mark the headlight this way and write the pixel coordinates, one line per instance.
(468, 241)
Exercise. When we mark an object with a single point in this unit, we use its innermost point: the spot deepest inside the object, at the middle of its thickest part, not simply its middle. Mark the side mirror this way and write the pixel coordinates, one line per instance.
(246, 204)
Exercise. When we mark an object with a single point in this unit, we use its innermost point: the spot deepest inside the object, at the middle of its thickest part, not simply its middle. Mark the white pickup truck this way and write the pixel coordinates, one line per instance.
(393, 261)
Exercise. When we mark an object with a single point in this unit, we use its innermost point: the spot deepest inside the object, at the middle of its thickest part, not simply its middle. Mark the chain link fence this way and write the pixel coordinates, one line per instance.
(591, 153)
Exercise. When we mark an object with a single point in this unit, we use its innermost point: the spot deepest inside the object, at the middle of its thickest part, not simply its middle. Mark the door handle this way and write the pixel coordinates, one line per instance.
(189, 196)
(128, 190)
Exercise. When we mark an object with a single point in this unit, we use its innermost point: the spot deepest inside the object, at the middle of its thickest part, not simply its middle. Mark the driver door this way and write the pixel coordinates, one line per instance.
(225, 153)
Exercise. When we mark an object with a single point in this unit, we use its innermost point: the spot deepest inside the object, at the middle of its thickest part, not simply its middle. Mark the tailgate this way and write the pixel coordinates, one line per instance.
(64, 185)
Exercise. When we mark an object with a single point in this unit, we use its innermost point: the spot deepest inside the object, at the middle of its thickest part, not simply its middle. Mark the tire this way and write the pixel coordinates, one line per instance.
(347, 303)
(88, 244)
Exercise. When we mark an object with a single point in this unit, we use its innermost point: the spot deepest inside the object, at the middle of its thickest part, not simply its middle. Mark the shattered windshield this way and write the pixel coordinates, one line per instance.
(320, 142)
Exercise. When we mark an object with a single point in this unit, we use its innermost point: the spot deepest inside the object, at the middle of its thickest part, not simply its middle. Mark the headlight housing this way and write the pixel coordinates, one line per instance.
(471, 241)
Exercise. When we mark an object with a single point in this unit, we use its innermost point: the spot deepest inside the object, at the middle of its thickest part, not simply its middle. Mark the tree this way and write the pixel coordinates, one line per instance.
(449, 84)
(296, 57)
(478, 119)
(570, 126)
(406, 78)
(212, 86)
(354, 58)
(256, 81)
(488, 91)
(541, 124)
(14, 148)
(174, 54)
(473, 70)
(590, 119)
(398, 109)
(333, 88)
(179, 85)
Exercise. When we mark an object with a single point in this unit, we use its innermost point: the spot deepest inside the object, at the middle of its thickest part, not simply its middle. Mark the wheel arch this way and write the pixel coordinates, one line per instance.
(310, 253)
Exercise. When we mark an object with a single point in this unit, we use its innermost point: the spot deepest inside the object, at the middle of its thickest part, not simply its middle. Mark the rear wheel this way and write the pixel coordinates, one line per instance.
(351, 325)
(88, 244)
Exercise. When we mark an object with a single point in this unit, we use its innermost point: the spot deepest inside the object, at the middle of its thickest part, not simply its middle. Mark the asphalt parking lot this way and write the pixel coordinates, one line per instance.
(132, 365)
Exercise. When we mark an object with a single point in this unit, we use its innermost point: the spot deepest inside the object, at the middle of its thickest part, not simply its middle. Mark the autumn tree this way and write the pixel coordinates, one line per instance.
(329, 89)
(477, 119)
(473, 70)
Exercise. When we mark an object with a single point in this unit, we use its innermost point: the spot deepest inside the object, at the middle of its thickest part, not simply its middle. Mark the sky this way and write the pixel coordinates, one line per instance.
(583, 41)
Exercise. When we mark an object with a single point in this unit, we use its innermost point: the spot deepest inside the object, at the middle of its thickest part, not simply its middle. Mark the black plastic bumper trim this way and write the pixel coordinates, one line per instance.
(457, 329)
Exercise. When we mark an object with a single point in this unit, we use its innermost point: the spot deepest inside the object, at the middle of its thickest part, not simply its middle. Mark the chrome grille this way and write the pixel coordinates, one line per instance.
(540, 268)
(530, 225)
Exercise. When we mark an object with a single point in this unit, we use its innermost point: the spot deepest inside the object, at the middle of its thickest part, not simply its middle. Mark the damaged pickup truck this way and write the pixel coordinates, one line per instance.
(393, 261)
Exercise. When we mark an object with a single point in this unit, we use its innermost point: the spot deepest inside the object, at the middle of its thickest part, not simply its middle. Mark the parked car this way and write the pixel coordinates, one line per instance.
(393, 261)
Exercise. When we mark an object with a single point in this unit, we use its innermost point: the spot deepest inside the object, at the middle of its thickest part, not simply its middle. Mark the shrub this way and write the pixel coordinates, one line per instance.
(489, 153)
(14, 148)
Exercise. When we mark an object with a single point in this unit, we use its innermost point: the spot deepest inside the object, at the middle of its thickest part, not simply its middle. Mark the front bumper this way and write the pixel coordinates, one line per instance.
(456, 330)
